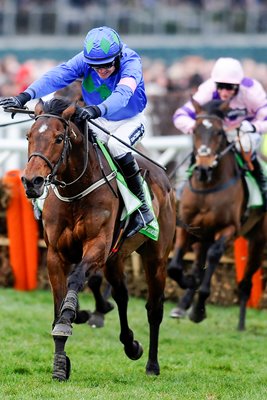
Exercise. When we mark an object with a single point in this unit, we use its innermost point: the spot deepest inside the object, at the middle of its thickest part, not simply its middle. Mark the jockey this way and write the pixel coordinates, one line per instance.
(248, 103)
(113, 90)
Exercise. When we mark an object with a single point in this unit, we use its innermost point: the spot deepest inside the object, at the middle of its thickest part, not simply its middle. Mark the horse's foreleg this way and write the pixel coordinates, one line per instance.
(61, 331)
(198, 312)
(69, 306)
(102, 305)
(115, 276)
(175, 267)
(61, 366)
(184, 303)
(200, 252)
(58, 279)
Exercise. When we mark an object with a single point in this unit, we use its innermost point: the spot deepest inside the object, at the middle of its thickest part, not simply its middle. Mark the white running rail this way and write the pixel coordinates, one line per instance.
(13, 145)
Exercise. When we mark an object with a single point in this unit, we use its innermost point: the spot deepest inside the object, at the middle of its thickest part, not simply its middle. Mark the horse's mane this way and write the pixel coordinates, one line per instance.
(56, 105)
(214, 107)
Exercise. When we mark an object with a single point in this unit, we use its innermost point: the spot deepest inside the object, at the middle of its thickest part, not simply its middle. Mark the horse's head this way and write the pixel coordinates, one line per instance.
(209, 138)
(49, 143)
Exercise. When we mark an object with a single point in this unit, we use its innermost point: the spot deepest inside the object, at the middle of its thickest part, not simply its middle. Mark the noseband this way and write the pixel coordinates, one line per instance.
(51, 178)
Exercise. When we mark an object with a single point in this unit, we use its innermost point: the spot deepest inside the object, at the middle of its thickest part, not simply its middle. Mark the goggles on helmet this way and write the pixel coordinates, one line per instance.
(227, 86)
(103, 66)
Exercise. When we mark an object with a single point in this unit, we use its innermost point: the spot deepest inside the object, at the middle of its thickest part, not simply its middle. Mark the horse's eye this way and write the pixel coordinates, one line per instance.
(27, 137)
(59, 139)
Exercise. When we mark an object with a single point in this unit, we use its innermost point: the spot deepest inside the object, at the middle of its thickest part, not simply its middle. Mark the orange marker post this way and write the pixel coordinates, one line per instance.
(22, 232)
(30, 233)
(240, 255)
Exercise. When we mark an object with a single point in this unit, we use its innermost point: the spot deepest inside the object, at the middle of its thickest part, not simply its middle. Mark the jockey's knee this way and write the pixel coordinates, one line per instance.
(116, 148)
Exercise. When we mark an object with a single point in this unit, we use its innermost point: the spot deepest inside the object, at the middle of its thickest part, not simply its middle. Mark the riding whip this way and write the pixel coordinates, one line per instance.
(25, 111)
(127, 145)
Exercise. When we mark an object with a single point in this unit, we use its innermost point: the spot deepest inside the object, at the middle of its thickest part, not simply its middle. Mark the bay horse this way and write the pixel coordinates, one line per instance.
(214, 205)
(99, 288)
(81, 219)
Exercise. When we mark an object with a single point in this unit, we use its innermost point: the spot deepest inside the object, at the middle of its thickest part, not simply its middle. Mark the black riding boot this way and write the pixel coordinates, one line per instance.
(261, 179)
(143, 216)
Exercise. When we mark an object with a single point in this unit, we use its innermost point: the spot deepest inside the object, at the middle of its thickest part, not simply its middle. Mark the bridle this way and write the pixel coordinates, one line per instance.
(51, 178)
(204, 151)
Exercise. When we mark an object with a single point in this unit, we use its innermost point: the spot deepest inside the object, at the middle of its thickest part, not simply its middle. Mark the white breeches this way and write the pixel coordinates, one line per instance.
(130, 131)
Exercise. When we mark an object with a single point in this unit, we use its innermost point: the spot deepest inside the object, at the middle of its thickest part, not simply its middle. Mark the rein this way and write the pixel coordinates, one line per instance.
(208, 116)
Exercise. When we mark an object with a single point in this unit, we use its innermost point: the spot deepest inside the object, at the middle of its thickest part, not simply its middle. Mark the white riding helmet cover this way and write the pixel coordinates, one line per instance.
(227, 70)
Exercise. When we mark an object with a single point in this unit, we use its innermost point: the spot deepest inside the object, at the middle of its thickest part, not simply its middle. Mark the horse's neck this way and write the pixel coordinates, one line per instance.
(82, 168)
(227, 167)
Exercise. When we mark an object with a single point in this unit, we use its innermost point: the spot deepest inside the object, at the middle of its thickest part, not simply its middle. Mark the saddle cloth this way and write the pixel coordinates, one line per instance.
(131, 202)
(254, 194)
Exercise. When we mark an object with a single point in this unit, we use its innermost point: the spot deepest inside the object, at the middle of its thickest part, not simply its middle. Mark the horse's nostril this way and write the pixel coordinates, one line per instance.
(38, 181)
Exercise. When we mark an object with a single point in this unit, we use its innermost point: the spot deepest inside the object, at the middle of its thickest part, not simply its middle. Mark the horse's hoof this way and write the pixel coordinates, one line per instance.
(184, 281)
(96, 320)
(135, 352)
(62, 367)
(82, 316)
(241, 328)
(107, 307)
(174, 272)
(62, 330)
(197, 316)
(177, 313)
(152, 369)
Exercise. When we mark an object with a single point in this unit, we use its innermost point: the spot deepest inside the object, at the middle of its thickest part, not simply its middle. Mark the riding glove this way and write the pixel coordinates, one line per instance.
(90, 112)
(247, 127)
(249, 143)
(15, 101)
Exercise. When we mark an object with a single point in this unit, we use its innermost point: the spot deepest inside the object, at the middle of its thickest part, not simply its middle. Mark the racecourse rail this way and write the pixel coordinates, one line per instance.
(13, 145)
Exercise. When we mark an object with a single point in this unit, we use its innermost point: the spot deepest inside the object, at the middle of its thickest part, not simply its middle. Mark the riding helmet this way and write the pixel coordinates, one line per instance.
(102, 45)
(227, 70)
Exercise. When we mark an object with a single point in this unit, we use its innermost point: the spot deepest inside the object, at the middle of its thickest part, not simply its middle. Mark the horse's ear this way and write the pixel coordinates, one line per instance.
(39, 108)
(68, 113)
(196, 105)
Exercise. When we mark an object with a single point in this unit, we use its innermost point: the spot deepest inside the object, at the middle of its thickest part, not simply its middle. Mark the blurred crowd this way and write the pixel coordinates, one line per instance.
(183, 75)
(74, 17)
(149, 3)
(167, 86)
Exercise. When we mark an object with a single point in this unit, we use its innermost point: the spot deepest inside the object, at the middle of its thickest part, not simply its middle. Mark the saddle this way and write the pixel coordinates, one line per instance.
(131, 202)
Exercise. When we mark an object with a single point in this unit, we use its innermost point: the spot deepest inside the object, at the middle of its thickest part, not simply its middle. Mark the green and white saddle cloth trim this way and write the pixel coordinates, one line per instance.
(254, 194)
(131, 202)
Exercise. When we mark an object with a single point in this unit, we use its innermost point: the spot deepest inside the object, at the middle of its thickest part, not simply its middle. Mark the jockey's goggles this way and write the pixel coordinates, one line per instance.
(227, 86)
(103, 66)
